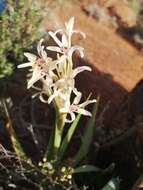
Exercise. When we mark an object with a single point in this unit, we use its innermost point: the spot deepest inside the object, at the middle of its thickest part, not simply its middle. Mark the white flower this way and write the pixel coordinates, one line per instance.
(66, 85)
(58, 76)
(42, 66)
(75, 107)
(44, 92)
(67, 32)
(64, 46)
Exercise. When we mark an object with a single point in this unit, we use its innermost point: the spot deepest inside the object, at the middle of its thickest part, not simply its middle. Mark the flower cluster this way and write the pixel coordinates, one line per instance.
(58, 76)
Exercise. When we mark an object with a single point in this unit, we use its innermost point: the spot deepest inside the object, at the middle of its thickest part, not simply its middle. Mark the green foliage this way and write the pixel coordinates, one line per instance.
(113, 184)
(18, 31)
(88, 135)
(135, 5)
(13, 137)
(91, 168)
(54, 174)
(18, 26)
(68, 137)
(87, 168)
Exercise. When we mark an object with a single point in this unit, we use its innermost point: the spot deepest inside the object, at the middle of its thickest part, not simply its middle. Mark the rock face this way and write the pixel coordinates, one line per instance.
(124, 13)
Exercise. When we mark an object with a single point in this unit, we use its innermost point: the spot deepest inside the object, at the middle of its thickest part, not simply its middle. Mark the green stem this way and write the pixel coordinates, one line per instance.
(59, 126)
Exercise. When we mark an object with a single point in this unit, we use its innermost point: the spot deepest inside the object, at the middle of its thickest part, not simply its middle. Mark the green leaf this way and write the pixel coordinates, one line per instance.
(91, 168)
(49, 150)
(86, 168)
(88, 135)
(17, 146)
(135, 5)
(109, 169)
(59, 127)
(68, 137)
(13, 137)
(113, 184)
(57, 138)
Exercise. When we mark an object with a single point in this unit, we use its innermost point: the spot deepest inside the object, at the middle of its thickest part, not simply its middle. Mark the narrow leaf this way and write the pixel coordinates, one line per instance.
(91, 168)
(68, 137)
(113, 184)
(59, 126)
(86, 168)
(49, 150)
(88, 135)
(13, 137)
(15, 142)
(109, 169)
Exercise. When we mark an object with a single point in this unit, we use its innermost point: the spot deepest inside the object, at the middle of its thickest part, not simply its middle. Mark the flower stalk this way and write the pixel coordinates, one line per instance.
(58, 80)
(59, 126)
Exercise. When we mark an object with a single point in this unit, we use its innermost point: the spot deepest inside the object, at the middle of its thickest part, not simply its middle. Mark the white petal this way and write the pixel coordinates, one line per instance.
(36, 94)
(56, 39)
(50, 66)
(31, 57)
(72, 118)
(78, 70)
(78, 96)
(64, 110)
(61, 59)
(36, 88)
(50, 99)
(29, 64)
(58, 31)
(74, 48)
(69, 26)
(50, 77)
(68, 121)
(41, 97)
(35, 77)
(62, 95)
(40, 47)
(64, 41)
(60, 83)
(87, 102)
(44, 55)
(84, 112)
(54, 48)
(31, 82)
(48, 81)
(81, 33)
